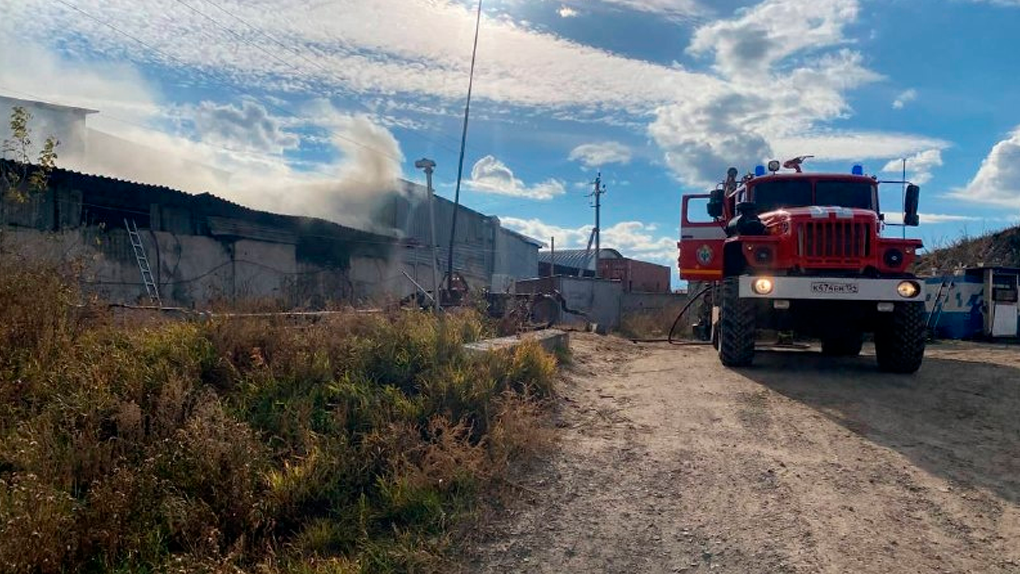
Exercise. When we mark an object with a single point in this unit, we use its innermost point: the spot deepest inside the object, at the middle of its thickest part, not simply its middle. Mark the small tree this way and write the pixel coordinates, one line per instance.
(19, 178)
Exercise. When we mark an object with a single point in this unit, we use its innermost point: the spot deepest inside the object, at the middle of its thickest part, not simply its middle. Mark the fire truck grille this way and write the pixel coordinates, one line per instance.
(833, 242)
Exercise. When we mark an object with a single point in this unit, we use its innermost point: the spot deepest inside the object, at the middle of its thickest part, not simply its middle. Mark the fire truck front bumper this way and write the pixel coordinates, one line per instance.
(831, 288)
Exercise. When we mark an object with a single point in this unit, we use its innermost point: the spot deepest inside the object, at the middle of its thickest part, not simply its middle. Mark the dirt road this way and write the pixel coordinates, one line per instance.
(668, 462)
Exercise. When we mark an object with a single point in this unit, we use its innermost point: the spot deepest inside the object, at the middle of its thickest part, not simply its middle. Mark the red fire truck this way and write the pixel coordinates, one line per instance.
(802, 255)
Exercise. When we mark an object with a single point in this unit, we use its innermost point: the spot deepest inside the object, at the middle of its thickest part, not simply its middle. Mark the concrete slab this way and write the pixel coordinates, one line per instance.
(549, 339)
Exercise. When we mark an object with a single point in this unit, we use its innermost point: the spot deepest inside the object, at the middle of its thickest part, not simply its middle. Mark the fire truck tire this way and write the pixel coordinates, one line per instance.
(843, 345)
(736, 326)
(899, 342)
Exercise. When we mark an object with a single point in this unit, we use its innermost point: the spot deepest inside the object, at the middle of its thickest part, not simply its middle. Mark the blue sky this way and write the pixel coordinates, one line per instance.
(289, 97)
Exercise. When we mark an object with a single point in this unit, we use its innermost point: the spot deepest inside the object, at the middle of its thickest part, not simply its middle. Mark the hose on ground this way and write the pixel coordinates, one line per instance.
(683, 311)
(672, 329)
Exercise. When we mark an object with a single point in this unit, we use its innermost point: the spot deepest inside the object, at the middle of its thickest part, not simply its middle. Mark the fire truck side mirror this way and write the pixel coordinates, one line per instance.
(715, 203)
(910, 202)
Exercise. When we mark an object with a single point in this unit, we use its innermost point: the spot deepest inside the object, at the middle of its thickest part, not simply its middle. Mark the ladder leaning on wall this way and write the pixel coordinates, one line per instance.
(143, 262)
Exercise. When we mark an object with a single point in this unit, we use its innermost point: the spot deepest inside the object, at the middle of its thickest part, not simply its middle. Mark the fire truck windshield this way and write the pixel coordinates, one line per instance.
(772, 195)
(845, 194)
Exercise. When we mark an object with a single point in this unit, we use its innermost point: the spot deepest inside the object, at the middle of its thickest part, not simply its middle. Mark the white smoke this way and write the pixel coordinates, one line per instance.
(367, 177)
(222, 159)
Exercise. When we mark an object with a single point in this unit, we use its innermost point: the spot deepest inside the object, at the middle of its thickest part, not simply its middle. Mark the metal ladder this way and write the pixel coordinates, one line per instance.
(143, 262)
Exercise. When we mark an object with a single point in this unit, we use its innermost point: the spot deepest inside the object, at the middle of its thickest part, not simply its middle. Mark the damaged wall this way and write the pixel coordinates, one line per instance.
(201, 249)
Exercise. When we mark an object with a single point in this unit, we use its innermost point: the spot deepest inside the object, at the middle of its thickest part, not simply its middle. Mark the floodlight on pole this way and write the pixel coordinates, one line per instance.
(428, 166)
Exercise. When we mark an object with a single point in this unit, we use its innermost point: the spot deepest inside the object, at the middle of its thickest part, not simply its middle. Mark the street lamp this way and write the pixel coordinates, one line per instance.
(428, 166)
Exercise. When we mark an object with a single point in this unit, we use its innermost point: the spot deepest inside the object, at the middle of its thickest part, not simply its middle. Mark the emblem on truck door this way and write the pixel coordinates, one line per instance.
(704, 254)
(834, 288)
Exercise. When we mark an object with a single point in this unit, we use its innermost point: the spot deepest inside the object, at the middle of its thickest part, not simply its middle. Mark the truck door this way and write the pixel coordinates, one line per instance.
(701, 241)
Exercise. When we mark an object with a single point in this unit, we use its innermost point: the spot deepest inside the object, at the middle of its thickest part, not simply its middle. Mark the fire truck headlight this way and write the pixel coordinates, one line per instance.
(762, 286)
(908, 289)
(893, 258)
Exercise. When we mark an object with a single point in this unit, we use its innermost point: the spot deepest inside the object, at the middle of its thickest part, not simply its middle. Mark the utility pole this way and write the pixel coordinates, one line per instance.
(903, 200)
(597, 193)
(428, 166)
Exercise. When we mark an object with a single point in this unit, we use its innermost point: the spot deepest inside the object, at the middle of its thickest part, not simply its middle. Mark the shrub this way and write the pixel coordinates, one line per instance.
(351, 444)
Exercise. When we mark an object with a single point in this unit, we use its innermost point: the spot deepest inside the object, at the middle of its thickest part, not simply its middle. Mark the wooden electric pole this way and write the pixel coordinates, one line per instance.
(597, 194)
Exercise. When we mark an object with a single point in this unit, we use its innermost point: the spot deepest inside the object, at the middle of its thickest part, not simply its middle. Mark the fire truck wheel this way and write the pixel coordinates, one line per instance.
(843, 345)
(736, 326)
(899, 341)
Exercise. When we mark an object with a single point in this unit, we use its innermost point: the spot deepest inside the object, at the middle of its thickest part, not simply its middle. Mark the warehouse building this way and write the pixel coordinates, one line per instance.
(203, 248)
(635, 276)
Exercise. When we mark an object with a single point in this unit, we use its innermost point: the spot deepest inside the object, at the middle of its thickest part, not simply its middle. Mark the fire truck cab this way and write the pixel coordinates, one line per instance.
(801, 254)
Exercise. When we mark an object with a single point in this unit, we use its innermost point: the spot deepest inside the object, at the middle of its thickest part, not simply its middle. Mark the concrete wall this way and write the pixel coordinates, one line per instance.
(650, 302)
(196, 271)
(598, 299)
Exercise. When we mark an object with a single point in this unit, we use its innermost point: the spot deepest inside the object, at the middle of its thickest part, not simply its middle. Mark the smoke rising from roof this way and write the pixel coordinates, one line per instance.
(187, 151)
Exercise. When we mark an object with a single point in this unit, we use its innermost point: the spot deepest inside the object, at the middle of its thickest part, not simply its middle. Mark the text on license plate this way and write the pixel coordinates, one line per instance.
(832, 288)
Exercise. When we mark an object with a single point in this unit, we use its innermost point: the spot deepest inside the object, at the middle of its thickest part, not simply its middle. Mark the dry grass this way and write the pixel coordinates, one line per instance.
(353, 444)
(653, 324)
(998, 248)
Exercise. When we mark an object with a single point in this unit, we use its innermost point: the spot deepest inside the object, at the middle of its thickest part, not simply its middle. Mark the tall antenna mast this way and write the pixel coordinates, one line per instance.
(463, 142)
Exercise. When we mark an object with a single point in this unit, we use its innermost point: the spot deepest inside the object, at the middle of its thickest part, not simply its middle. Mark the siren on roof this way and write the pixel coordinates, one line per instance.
(759, 170)
(857, 169)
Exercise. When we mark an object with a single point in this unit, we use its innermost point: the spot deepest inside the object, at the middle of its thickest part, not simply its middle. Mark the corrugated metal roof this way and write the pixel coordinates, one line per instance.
(575, 258)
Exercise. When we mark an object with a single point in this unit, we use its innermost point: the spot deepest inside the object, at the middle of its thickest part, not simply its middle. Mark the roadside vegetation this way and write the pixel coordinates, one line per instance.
(654, 324)
(996, 248)
(358, 443)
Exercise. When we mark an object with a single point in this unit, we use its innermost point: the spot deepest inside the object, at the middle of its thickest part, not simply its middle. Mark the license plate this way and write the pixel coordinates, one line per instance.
(830, 288)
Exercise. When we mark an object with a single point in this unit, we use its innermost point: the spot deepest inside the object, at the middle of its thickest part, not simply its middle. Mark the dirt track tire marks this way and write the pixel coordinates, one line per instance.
(804, 464)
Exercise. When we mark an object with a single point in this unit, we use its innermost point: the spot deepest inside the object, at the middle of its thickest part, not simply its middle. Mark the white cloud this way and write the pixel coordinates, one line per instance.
(249, 125)
(773, 79)
(599, 154)
(919, 165)
(997, 181)
(904, 98)
(673, 9)
(567, 12)
(770, 31)
(360, 47)
(789, 70)
(489, 175)
(632, 238)
(828, 146)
